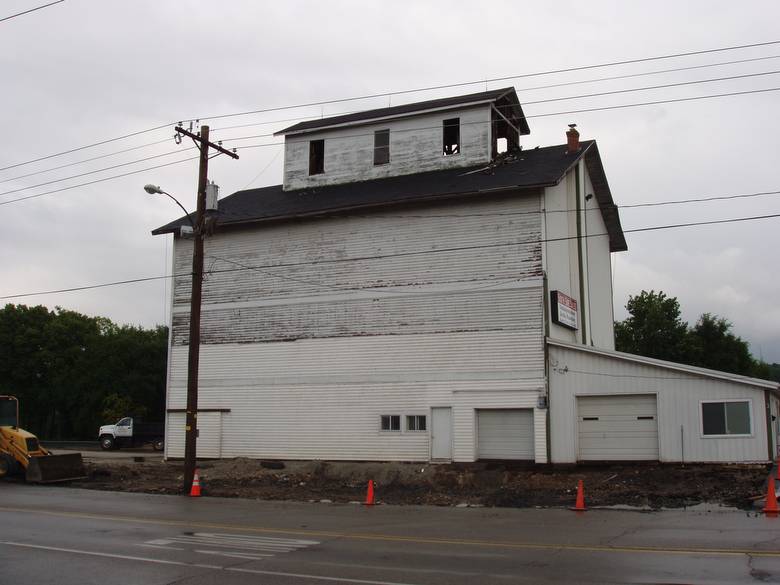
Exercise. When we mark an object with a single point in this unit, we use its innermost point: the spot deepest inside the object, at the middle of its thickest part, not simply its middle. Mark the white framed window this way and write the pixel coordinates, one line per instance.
(726, 418)
(416, 422)
(390, 422)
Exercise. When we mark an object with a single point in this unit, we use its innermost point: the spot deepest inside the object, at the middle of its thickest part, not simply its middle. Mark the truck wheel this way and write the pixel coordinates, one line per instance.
(7, 466)
(107, 443)
(158, 444)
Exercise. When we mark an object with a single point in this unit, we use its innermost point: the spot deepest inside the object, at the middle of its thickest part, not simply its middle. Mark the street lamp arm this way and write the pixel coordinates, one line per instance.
(187, 213)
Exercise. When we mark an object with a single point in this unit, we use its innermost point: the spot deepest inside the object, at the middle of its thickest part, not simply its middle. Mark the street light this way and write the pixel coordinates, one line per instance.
(191, 420)
(156, 190)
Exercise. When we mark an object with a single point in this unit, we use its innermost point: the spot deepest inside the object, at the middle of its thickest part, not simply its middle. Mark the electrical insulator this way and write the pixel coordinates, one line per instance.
(212, 194)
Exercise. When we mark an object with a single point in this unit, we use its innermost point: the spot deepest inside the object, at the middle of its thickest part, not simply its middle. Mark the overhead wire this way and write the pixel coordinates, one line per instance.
(403, 92)
(534, 241)
(31, 10)
(312, 117)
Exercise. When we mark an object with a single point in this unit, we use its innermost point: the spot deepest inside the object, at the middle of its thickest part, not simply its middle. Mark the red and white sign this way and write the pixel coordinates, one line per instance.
(564, 309)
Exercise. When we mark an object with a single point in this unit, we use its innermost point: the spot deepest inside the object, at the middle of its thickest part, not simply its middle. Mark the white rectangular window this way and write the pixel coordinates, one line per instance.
(391, 422)
(416, 422)
(725, 418)
(381, 147)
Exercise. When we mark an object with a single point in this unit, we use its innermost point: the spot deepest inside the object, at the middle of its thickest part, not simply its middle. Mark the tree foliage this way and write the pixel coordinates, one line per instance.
(70, 370)
(655, 329)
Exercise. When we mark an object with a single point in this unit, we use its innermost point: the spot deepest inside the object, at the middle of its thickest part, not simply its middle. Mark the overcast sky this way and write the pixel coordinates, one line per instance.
(84, 71)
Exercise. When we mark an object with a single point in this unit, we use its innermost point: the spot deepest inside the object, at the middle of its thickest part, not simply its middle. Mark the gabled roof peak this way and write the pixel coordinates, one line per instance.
(505, 96)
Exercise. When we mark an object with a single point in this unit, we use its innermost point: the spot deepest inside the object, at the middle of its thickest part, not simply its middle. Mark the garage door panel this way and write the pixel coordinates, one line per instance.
(505, 434)
(617, 428)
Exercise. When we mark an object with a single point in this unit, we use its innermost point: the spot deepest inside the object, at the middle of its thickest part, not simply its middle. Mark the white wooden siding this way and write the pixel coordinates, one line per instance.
(575, 372)
(505, 434)
(615, 428)
(307, 356)
(415, 147)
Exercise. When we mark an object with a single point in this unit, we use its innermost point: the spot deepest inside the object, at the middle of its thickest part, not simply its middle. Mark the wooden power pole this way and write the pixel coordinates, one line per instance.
(191, 422)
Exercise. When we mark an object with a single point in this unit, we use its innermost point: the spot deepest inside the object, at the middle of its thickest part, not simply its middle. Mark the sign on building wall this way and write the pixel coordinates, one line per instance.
(564, 309)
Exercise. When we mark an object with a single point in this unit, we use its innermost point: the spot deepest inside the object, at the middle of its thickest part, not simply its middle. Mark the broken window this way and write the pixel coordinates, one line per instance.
(316, 157)
(451, 136)
(381, 147)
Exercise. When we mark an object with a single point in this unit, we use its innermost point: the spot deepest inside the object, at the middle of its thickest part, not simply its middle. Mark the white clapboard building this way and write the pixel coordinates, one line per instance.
(421, 288)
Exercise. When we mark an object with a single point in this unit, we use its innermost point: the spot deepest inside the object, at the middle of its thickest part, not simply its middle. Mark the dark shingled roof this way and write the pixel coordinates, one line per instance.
(528, 169)
(510, 107)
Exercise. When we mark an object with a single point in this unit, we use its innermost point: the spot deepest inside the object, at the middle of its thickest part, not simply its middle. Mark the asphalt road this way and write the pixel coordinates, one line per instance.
(63, 536)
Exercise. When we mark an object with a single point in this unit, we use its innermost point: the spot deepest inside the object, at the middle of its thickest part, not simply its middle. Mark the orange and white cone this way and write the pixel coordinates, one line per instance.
(770, 508)
(579, 506)
(195, 489)
(370, 494)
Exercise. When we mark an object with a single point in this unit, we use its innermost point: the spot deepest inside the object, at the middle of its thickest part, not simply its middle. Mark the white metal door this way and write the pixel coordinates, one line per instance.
(441, 434)
(174, 435)
(618, 428)
(505, 434)
(209, 435)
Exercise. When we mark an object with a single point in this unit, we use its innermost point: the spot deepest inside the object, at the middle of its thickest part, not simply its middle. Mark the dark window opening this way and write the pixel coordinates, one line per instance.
(381, 147)
(506, 138)
(316, 157)
(451, 137)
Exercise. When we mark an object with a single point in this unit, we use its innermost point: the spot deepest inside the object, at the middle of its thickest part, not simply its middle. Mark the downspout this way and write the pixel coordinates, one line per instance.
(769, 441)
(580, 262)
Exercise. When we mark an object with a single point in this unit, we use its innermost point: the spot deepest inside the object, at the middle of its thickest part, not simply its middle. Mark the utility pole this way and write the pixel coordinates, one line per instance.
(191, 422)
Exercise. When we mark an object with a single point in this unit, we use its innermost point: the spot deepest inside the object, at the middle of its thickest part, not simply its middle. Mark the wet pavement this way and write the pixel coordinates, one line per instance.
(70, 536)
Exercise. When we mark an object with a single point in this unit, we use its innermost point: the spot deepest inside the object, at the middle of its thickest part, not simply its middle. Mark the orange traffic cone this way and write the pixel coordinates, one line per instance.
(370, 493)
(195, 489)
(579, 506)
(770, 507)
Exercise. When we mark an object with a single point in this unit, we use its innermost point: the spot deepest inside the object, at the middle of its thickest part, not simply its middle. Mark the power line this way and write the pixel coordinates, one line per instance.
(664, 86)
(568, 112)
(304, 118)
(491, 80)
(645, 74)
(96, 181)
(408, 91)
(107, 141)
(31, 10)
(243, 267)
(86, 160)
(169, 153)
(549, 211)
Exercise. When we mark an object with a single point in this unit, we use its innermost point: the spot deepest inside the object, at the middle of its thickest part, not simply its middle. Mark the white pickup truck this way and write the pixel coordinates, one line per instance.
(126, 433)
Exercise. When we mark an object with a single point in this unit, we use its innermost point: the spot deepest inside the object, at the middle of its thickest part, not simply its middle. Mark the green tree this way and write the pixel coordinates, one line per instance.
(716, 347)
(654, 328)
(63, 366)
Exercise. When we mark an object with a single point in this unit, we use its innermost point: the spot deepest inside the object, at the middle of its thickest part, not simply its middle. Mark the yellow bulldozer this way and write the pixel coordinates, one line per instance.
(21, 451)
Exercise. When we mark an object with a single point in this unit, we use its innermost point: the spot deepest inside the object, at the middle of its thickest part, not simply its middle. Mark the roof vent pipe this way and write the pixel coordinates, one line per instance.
(572, 139)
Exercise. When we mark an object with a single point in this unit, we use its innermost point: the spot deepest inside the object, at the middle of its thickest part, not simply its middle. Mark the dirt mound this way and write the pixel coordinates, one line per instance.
(488, 484)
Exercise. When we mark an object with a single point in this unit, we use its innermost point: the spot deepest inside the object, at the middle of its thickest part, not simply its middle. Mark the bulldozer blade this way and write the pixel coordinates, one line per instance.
(53, 468)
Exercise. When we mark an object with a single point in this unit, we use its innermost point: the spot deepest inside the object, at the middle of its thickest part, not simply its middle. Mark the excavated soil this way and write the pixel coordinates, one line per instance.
(486, 484)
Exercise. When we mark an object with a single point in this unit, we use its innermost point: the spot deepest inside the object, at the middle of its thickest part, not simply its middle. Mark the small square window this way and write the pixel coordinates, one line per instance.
(316, 157)
(391, 422)
(381, 147)
(416, 422)
(451, 136)
(725, 418)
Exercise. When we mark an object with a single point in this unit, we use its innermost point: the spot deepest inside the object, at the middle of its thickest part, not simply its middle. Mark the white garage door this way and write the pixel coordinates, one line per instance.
(505, 434)
(618, 428)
